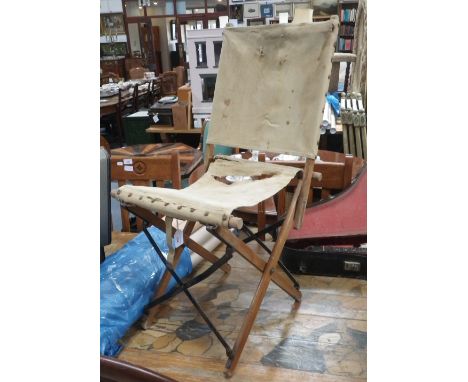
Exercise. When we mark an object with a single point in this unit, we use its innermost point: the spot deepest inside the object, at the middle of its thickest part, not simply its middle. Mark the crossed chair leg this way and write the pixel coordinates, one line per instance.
(268, 269)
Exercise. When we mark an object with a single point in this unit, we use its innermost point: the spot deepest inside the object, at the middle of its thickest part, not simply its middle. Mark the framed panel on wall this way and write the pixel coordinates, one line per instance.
(112, 22)
(117, 49)
(237, 12)
(283, 7)
(325, 7)
(251, 10)
(266, 10)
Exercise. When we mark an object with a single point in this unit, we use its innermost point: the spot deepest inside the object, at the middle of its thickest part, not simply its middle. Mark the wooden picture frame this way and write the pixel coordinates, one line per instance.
(112, 22)
(325, 7)
(251, 10)
(283, 7)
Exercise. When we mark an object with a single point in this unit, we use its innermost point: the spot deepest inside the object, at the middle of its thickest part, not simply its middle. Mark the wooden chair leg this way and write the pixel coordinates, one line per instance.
(268, 272)
(166, 278)
(124, 216)
(279, 278)
(261, 218)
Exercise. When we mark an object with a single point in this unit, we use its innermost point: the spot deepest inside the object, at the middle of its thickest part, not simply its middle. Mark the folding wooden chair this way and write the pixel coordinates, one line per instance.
(270, 94)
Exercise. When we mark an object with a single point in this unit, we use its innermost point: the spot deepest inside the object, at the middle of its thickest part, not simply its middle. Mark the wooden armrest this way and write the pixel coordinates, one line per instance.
(196, 174)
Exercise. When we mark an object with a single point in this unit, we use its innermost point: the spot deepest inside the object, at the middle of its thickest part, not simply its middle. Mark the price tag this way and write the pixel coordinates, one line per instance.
(128, 161)
(178, 239)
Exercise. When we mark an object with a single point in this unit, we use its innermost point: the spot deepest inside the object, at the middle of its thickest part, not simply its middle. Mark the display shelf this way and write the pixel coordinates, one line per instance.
(347, 11)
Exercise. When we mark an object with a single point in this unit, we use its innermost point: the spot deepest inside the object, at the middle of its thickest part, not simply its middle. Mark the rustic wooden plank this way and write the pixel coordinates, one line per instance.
(345, 140)
(119, 239)
(196, 369)
(364, 142)
(171, 130)
(357, 132)
(351, 140)
(327, 334)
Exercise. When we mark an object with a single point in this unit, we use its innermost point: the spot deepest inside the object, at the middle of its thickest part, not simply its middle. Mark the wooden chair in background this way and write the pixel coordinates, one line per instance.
(143, 172)
(180, 70)
(137, 73)
(105, 144)
(336, 173)
(139, 98)
(105, 79)
(337, 59)
(133, 62)
(154, 92)
(168, 84)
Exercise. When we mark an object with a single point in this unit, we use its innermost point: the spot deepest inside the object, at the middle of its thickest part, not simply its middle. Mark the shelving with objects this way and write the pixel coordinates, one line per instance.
(347, 11)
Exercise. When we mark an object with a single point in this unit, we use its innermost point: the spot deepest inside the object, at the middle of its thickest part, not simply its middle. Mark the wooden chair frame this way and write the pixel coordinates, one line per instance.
(334, 172)
(158, 169)
(271, 270)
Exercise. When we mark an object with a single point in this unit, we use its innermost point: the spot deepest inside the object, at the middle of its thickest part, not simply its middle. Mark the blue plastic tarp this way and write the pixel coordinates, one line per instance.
(128, 281)
(334, 100)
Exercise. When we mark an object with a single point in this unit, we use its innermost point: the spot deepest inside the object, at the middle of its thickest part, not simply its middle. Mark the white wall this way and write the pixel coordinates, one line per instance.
(164, 35)
(208, 36)
(111, 6)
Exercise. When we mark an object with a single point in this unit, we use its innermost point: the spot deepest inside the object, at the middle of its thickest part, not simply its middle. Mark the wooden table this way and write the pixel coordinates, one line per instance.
(189, 157)
(161, 129)
(109, 104)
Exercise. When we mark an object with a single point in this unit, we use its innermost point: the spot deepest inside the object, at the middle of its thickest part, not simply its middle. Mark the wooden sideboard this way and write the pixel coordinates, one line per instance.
(116, 66)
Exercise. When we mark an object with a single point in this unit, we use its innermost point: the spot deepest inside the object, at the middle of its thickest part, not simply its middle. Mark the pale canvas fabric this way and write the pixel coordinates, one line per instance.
(209, 200)
(269, 95)
(271, 86)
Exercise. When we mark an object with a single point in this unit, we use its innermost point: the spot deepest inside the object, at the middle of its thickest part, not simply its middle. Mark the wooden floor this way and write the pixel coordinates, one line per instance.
(325, 339)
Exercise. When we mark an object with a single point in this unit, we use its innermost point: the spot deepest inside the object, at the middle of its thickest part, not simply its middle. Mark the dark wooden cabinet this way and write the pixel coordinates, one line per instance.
(116, 66)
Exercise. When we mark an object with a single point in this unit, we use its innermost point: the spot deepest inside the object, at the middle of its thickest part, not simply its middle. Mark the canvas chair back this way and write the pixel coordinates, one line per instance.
(271, 87)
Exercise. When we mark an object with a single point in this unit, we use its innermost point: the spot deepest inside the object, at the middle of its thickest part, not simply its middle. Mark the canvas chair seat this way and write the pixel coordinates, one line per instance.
(216, 194)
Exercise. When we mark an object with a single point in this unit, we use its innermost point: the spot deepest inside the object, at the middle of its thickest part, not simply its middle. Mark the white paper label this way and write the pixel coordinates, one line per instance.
(119, 163)
(155, 118)
(128, 168)
(128, 161)
(178, 238)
